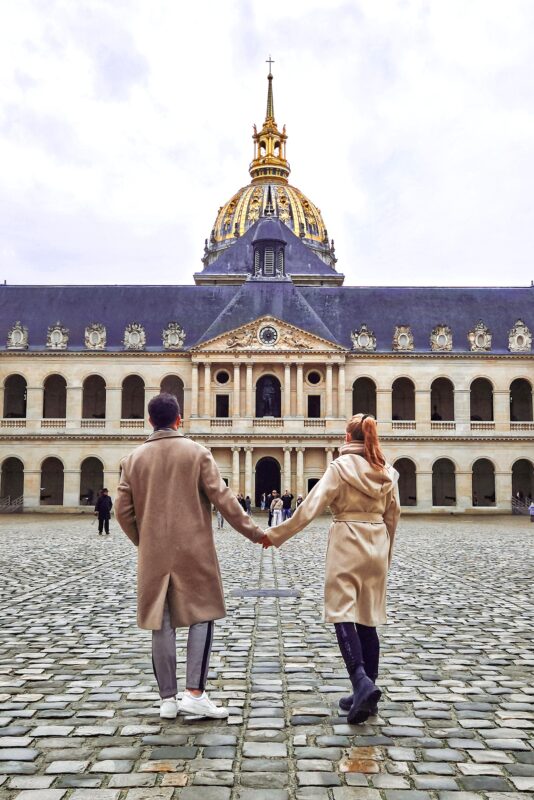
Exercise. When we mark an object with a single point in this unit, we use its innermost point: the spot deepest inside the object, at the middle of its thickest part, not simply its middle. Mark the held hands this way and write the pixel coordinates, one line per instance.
(266, 542)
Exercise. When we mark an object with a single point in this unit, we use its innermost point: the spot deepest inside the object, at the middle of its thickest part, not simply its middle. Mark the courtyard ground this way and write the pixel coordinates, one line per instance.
(78, 702)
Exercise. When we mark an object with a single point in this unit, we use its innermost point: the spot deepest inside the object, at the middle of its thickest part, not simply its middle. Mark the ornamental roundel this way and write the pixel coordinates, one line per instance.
(441, 338)
(173, 336)
(403, 338)
(57, 337)
(363, 339)
(134, 337)
(95, 336)
(519, 338)
(17, 337)
(479, 338)
(268, 335)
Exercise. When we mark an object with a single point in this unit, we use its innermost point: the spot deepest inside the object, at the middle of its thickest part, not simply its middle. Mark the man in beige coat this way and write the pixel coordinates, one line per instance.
(163, 504)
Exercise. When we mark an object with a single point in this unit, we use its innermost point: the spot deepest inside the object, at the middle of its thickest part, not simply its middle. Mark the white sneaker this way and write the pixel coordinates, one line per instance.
(168, 708)
(201, 707)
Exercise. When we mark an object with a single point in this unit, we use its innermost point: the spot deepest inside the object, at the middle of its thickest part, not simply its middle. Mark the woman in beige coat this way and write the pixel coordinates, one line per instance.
(361, 490)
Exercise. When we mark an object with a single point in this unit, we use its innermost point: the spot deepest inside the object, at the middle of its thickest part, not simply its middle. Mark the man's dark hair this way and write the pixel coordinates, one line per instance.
(104, 490)
(163, 410)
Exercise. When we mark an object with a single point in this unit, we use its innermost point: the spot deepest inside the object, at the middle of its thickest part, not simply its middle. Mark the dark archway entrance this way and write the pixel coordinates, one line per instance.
(268, 396)
(443, 483)
(407, 481)
(91, 480)
(52, 482)
(483, 492)
(12, 482)
(523, 480)
(267, 477)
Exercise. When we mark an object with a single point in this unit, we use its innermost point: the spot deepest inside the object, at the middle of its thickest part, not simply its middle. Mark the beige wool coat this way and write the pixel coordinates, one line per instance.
(163, 505)
(365, 507)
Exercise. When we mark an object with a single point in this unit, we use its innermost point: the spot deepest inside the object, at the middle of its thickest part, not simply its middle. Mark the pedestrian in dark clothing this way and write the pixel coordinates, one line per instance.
(287, 499)
(103, 507)
(241, 501)
(268, 502)
(248, 505)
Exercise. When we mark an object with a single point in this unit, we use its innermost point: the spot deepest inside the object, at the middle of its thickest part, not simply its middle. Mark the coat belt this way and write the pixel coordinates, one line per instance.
(358, 516)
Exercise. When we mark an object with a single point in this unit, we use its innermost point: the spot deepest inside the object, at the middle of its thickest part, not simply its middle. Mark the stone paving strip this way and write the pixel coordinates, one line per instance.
(79, 707)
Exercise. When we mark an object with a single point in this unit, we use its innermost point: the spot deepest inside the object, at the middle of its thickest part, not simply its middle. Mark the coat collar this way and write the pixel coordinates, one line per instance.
(166, 434)
(352, 448)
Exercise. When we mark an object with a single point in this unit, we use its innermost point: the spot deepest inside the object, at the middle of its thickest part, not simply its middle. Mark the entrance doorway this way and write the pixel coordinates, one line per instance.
(311, 483)
(267, 477)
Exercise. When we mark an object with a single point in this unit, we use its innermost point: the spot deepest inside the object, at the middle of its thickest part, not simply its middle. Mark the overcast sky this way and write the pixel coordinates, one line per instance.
(125, 124)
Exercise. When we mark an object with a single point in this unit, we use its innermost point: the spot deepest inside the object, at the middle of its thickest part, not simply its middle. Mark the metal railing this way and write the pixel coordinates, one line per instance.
(11, 506)
(520, 506)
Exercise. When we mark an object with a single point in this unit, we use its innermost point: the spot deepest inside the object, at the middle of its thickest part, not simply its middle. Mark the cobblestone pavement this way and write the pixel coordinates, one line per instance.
(78, 706)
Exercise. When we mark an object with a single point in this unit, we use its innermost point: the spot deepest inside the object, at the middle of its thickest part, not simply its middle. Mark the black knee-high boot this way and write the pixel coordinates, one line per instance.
(370, 645)
(365, 693)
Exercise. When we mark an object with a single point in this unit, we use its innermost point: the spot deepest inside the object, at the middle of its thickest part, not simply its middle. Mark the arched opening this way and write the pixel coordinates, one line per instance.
(267, 477)
(442, 400)
(403, 399)
(55, 397)
(443, 483)
(12, 479)
(94, 398)
(481, 400)
(91, 480)
(133, 398)
(407, 481)
(312, 482)
(523, 480)
(364, 396)
(174, 385)
(268, 396)
(15, 396)
(483, 487)
(520, 401)
(52, 482)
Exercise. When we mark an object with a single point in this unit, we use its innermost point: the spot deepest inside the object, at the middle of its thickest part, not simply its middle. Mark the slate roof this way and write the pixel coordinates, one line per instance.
(238, 259)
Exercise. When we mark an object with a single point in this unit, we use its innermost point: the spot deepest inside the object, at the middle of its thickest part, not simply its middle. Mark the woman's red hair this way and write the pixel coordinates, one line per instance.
(363, 428)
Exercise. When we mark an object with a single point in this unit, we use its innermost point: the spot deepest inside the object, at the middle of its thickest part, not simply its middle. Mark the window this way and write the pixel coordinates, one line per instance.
(269, 261)
(281, 261)
(314, 405)
(222, 405)
(257, 261)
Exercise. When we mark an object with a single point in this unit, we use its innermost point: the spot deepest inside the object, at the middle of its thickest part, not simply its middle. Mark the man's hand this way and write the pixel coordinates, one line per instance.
(266, 542)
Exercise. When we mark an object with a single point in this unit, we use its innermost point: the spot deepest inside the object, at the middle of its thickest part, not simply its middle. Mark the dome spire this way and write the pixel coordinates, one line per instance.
(269, 164)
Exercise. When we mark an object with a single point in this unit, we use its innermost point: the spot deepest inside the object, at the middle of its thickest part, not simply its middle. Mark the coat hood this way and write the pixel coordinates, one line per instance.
(357, 472)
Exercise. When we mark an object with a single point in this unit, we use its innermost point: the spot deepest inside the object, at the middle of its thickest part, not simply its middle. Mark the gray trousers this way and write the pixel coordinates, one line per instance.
(199, 644)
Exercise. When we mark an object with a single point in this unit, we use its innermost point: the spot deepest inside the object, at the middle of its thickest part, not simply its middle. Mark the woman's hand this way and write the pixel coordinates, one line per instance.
(266, 542)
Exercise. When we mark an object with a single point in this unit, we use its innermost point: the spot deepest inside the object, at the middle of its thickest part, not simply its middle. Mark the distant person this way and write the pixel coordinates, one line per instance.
(300, 500)
(103, 507)
(287, 499)
(220, 520)
(241, 501)
(268, 501)
(262, 502)
(248, 505)
(276, 508)
(531, 511)
(360, 488)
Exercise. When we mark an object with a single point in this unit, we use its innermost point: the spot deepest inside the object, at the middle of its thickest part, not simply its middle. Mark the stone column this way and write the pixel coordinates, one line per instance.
(422, 407)
(464, 489)
(114, 407)
(74, 406)
(423, 489)
(300, 470)
(329, 455)
(300, 391)
(248, 392)
(207, 389)
(235, 469)
(248, 471)
(236, 411)
(71, 488)
(194, 389)
(34, 402)
(329, 398)
(287, 390)
(503, 490)
(384, 409)
(462, 410)
(501, 409)
(32, 488)
(286, 477)
(341, 390)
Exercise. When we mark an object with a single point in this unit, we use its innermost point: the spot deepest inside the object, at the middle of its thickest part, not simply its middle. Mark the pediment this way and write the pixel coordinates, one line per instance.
(268, 334)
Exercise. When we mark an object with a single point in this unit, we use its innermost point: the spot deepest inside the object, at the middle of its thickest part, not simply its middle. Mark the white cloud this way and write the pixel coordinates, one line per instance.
(124, 126)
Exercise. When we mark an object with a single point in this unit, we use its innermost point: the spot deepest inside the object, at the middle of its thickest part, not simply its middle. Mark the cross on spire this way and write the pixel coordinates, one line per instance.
(270, 62)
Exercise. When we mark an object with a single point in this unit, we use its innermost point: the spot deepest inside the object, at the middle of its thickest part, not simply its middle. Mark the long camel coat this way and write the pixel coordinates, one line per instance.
(163, 505)
(365, 506)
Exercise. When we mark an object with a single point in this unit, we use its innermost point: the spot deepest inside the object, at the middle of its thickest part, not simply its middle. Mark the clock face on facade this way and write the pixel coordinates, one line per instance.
(268, 335)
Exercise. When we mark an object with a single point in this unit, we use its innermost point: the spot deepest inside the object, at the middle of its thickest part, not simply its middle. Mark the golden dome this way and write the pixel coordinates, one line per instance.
(269, 193)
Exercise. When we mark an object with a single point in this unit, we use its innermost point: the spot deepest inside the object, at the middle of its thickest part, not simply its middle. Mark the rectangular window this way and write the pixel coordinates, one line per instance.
(222, 405)
(269, 261)
(314, 405)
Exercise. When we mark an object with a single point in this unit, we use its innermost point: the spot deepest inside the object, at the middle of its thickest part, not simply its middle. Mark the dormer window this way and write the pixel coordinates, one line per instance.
(269, 245)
